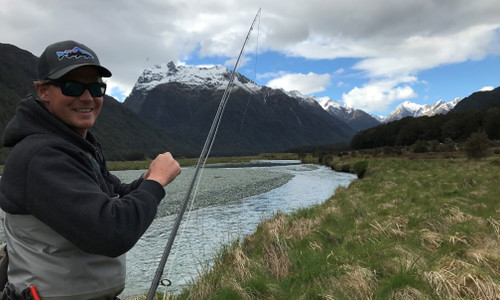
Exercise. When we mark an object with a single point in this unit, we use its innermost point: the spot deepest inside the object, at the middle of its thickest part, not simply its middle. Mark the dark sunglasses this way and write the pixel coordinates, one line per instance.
(75, 88)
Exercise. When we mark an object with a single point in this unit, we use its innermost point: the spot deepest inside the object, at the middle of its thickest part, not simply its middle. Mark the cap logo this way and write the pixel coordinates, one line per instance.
(75, 52)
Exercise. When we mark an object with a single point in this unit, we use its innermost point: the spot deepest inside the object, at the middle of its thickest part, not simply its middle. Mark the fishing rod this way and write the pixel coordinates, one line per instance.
(201, 161)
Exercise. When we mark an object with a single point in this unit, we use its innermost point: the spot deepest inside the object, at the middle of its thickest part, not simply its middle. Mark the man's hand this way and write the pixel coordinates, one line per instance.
(163, 169)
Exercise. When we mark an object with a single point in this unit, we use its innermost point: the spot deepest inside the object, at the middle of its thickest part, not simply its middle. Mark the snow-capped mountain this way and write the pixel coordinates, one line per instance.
(197, 77)
(183, 99)
(212, 77)
(334, 107)
(356, 118)
(409, 109)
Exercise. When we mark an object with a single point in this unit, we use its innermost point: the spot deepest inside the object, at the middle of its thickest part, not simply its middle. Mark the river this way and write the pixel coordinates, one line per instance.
(239, 208)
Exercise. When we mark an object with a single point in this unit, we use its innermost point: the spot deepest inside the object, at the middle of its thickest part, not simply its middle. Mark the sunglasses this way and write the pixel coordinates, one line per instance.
(75, 88)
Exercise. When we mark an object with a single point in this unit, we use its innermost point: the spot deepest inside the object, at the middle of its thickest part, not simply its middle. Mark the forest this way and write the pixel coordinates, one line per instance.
(454, 126)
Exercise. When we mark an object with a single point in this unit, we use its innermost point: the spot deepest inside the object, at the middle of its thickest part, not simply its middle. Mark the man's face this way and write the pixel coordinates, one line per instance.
(78, 112)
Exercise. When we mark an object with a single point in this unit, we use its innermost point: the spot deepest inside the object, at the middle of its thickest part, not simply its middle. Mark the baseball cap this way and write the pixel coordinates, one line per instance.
(62, 57)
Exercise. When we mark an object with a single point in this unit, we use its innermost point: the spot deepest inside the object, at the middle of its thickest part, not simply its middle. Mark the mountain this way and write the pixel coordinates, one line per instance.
(356, 118)
(478, 100)
(216, 77)
(257, 118)
(409, 109)
(17, 73)
(121, 132)
(196, 77)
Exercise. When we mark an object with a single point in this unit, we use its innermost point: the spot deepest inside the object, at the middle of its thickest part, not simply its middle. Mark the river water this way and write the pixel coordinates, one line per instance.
(239, 208)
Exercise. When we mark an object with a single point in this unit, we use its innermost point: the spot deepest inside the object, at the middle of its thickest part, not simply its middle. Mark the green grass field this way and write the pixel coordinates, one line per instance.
(421, 228)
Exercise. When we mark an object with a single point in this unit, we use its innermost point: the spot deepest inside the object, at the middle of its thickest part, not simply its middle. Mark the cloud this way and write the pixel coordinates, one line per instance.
(390, 39)
(378, 95)
(116, 91)
(305, 83)
(417, 53)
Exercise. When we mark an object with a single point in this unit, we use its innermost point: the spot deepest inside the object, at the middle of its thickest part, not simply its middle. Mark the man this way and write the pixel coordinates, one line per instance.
(68, 221)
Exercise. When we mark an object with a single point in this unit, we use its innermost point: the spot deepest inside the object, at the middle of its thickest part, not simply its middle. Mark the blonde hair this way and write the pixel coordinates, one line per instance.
(42, 82)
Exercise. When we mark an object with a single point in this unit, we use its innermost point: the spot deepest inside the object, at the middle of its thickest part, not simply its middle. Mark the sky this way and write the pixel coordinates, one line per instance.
(367, 54)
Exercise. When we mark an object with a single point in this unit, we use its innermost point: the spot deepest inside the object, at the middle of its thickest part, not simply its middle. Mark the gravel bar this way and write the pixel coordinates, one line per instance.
(217, 186)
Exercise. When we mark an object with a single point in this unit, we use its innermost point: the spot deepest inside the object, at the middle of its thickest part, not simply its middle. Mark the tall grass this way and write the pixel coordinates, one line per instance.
(410, 229)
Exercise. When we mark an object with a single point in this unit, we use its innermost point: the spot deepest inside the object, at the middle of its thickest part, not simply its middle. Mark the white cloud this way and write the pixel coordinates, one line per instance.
(417, 53)
(378, 95)
(304, 83)
(267, 75)
(117, 90)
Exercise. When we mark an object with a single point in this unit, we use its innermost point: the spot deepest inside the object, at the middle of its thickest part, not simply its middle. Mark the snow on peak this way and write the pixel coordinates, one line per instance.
(409, 106)
(311, 100)
(214, 77)
(327, 102)
(409, 109)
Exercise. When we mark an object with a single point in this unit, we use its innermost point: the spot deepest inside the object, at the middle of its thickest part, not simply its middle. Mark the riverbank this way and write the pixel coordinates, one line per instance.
(219, 186)
(412, 228)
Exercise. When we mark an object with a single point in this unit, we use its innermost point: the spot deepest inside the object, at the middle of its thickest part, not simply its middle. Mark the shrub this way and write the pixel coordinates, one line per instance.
(477, 145)
(420, 147)
(360, 168)
(325, 159)
(346, 168)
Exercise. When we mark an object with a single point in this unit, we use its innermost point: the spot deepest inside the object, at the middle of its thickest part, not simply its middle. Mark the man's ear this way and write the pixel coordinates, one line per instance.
(43, 93)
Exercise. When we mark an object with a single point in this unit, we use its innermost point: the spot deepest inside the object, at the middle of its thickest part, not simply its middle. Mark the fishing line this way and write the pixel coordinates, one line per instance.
(201, 163)
(255, 78)
(225, 98)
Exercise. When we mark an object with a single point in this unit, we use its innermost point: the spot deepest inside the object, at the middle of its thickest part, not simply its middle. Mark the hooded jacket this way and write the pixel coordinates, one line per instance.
(68, 220)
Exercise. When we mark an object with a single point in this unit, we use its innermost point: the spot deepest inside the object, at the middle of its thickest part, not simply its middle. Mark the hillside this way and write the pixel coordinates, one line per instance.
(478, 100)
(17, 72)
(455, 126)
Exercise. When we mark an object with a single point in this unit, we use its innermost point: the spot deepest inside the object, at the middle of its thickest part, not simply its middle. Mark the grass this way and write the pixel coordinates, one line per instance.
(420, 228)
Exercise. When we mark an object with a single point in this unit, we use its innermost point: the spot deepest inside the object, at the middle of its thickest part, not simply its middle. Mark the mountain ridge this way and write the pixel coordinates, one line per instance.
(410, 109)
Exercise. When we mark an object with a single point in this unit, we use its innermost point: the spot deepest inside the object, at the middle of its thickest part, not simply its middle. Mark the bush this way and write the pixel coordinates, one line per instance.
(477, 145)
(392, 150)
(325, 159)
(360, 168)
(340, 166)
(420, 147)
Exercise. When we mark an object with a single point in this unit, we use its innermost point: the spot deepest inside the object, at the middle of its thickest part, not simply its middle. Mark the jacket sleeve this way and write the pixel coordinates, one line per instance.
(120, 188)
(62, 192)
